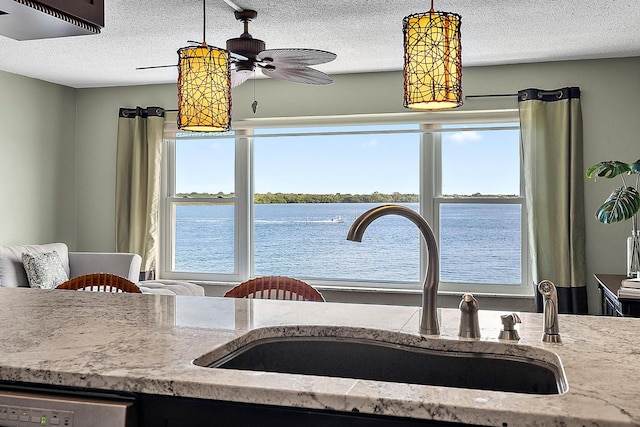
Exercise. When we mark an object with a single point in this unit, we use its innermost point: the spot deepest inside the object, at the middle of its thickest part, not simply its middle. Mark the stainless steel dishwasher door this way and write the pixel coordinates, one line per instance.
(27, 408)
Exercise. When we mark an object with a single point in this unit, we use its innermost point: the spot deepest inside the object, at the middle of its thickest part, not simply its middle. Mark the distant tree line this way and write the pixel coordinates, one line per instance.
(281, 198)
(375, 197)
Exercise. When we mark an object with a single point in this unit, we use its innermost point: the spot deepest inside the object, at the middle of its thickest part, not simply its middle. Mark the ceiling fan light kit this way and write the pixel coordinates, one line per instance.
(432, 60)
(204, 89)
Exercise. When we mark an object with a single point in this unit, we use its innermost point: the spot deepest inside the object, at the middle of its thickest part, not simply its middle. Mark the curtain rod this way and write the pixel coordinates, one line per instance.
(498, 95)
(557, 92)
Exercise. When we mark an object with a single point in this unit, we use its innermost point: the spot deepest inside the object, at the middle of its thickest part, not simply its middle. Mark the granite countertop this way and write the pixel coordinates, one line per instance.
(146, 343)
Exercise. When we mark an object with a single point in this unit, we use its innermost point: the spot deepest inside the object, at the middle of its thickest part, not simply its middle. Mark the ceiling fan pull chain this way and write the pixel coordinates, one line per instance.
(254, 105)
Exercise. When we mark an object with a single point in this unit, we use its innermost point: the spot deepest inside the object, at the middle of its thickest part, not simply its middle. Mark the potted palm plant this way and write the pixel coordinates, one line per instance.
(621, 205)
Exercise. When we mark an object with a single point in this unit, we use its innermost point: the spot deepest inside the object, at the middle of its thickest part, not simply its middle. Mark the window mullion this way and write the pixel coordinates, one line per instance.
(168, 185)
(244, 208)
(429, 170)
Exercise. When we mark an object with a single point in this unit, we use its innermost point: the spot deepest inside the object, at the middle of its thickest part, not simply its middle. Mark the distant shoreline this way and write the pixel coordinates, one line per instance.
(285, 198)
(375, 197)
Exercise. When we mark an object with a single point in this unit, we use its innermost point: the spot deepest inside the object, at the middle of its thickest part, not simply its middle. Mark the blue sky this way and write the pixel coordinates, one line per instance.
(486, 162)
(473, 161)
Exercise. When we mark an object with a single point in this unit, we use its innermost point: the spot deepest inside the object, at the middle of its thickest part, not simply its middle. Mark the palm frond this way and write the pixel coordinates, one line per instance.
(621, 205)
(609, 169)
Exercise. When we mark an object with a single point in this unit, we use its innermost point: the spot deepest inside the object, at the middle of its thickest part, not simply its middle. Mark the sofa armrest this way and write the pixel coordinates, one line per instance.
(170, 287)
(126, 265)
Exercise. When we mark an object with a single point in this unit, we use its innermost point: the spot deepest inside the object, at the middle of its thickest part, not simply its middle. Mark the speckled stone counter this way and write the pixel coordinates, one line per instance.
(147, 343)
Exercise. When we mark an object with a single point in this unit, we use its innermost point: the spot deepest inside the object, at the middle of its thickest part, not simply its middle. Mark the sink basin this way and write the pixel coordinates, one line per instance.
(382, 361)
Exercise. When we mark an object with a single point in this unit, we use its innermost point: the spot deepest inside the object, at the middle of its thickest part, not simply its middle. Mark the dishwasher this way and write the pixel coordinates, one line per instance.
(35, 406)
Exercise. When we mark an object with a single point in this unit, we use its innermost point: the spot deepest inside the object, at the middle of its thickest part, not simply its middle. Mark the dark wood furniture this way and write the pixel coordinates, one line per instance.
(100, 282)
(276, 287)
(608, 284)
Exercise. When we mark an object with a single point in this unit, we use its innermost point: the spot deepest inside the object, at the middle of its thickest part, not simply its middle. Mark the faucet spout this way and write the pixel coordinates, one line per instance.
(469, 326)
(429, 319)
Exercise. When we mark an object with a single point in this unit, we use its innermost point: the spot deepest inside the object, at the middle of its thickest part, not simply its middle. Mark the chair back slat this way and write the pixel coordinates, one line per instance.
(100, 282)
(276, 287)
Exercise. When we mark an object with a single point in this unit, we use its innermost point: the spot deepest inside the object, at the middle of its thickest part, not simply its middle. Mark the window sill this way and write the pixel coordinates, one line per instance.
(400, 296)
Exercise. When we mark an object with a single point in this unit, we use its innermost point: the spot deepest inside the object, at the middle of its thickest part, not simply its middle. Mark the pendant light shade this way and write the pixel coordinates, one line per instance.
(204, 89)
(432, 60)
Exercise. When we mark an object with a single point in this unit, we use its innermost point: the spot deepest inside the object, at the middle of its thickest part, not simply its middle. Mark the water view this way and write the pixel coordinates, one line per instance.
(479, 243)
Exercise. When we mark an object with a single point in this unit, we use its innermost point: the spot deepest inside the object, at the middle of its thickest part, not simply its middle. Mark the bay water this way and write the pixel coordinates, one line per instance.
(479, 243)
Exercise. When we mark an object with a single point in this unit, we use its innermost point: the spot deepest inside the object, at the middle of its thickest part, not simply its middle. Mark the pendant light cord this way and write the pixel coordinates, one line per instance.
(204, 22)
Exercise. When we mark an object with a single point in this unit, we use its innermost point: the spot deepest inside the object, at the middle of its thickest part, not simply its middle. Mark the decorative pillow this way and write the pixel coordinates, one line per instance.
(44, 270)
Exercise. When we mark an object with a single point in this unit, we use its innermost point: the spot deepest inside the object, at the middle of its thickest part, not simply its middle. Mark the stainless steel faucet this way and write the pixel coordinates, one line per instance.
(469, 325)
(550, 298)
(429, 319)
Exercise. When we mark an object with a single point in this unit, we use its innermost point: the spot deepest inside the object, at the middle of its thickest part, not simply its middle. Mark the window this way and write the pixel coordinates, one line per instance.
(354, 164)
(202, 208)
(279, 200)
(479, 205)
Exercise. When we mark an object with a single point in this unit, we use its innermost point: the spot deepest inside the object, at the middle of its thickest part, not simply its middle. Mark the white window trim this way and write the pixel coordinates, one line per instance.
(430, 200)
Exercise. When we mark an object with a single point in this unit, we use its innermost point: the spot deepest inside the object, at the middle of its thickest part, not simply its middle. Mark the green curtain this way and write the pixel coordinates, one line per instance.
(551, 137)
(138, 177)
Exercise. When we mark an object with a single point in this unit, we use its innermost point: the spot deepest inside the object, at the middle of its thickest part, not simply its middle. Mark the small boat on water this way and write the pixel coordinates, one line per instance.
(337, 219)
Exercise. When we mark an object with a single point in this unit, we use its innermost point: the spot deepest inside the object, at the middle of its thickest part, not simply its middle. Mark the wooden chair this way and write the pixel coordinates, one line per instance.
(276, 287)
(100, 282)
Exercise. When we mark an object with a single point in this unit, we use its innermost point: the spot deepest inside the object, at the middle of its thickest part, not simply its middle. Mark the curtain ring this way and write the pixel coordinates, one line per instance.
(557, 93)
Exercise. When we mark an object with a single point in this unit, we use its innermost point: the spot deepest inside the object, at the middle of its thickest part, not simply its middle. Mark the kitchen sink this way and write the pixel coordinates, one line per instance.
(369, 359)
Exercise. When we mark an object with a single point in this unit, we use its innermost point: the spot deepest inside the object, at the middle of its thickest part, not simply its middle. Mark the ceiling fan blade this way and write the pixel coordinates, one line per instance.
(239, 77)
(237, 57)
(295, 56)
(304, 75)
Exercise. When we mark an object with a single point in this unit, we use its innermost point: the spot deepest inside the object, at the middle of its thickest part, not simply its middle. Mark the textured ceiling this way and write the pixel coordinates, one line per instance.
(365, 34)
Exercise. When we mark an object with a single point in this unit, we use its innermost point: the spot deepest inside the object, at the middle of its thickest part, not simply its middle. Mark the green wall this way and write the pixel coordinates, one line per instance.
(37, 161)
(56, 159)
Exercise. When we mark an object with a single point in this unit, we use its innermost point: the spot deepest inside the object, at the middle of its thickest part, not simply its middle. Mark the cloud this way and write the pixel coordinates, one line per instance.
(465, 136)
(214, 146)
(370, 143)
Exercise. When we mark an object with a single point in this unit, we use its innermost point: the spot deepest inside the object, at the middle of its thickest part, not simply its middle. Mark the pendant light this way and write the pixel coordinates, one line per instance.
(204, 87)
(432, 60)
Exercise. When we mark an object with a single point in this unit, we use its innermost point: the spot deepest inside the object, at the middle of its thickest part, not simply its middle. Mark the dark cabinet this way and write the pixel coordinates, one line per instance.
(172, 411)
(41, 19)
(91, 11)
(609, 284)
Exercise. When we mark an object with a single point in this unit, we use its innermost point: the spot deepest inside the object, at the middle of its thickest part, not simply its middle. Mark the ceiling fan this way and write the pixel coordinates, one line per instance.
(283, 64)
(247, 54)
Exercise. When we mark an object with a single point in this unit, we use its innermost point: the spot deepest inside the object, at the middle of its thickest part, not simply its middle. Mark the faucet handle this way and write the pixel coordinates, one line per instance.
(508, 331)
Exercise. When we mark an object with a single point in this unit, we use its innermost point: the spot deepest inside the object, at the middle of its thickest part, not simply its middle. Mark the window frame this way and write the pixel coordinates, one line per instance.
(430, 187)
